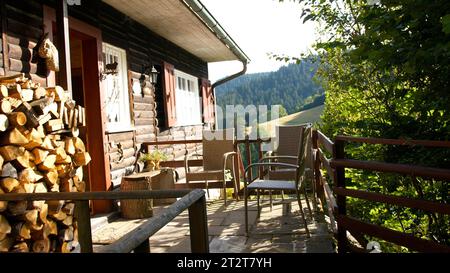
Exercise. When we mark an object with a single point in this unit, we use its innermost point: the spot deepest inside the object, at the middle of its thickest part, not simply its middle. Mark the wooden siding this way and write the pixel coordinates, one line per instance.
(22, 29)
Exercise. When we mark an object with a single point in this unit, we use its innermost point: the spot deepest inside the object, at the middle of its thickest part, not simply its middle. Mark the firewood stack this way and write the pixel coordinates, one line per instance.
(40, 151)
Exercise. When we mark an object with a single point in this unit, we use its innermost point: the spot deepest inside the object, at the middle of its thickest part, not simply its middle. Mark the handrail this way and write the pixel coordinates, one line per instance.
(136, 240)
(402, 142)
(147, 229)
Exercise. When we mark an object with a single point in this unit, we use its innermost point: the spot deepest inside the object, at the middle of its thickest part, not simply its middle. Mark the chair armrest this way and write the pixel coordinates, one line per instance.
(225, 159)
(186, 161)
(270, 164)
(270, 158)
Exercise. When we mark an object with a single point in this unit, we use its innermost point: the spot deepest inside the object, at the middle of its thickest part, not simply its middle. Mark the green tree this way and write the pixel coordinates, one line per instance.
(384, 66)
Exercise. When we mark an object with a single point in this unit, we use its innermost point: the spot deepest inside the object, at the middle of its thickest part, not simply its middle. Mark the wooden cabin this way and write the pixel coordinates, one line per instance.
(123, 109)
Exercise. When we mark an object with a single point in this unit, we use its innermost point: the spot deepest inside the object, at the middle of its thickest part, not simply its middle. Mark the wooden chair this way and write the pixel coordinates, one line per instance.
(290, 184)
(218, 160)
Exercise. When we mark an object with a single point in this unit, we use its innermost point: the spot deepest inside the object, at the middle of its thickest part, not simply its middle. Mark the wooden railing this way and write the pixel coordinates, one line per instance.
(138, 239)
(239, 164)
(335, 168)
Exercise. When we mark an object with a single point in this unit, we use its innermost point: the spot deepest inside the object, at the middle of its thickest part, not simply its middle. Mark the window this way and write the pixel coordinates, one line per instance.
(117, 100)
(188, 106)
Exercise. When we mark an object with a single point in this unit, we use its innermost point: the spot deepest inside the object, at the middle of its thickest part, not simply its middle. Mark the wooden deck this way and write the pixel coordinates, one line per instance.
(276, 231)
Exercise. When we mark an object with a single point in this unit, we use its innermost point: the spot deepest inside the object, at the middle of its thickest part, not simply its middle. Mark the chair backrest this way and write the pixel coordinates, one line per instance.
(288, 142)
(305, 136)
(215, 145)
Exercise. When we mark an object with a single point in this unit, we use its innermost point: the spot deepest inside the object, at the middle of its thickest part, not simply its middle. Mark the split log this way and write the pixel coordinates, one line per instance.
(14, 91)
(20, 248)
(5, 106)
(54, 206)
(43, 119)
(40, 155)
(48, 164)
(39, 188)
(66, 235)
(4, 123)
(66, 185)
(17, 119)
(9, 184)
(70, 146)
(32, 119)
(52, 227)
(58, 92)
(61, 155)
(3, 204)
(63, 169)
(54, 125)
(14, 137)
(5, 227)
(60, 216)
(43, 212)
(21, 231)
(41, 246)
(26, 95)
(30, 217)
(1, 163)
(28, 187)
(39, 93)
(82, 159)
(79, 145)
(15, 103)
(17, 208)
(47, 144)
(21, 162)
(34, 139)
(3, 91)
(68, 222)
(6, 244)
(29, 176)
(10, 153)
(80, 185)
(51, 177)
(8, 170)
(69, 208)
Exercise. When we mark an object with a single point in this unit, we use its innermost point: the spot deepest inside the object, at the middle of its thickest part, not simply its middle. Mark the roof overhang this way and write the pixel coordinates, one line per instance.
(186, 23)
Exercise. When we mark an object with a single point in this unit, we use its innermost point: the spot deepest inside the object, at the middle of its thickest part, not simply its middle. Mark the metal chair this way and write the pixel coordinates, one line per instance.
(288, 185)
(218, 158)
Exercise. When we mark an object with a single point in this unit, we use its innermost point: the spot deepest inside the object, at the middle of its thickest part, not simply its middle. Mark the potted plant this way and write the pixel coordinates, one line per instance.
(153, 159)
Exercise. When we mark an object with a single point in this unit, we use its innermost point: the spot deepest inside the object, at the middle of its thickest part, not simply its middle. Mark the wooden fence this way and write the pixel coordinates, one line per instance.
(335, 169)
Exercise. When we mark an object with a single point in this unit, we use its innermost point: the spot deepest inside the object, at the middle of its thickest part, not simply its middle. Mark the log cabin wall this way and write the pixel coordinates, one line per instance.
(22, 27)
(22, 23)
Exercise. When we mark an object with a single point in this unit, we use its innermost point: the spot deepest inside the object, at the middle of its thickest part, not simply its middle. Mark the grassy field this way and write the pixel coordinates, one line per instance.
(311, 115)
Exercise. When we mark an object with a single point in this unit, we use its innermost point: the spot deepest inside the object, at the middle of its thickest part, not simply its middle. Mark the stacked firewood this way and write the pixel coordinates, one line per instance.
(40, 151)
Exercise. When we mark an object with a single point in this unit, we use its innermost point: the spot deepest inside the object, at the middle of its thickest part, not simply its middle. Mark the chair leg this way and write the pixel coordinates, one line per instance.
(303, 214)
(307, 203)
(246, 212)
(271, 200)
(225, 191)
(257, 198)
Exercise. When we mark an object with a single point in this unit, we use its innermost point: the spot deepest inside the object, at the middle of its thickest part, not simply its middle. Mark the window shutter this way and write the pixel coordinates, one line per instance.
(169, 94)
(208, 101)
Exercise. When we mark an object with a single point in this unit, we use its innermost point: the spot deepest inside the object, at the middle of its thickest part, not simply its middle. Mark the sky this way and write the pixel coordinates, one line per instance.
(260, 27)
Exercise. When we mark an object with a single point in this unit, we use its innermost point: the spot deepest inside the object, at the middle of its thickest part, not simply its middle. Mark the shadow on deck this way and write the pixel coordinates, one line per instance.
(279, 230)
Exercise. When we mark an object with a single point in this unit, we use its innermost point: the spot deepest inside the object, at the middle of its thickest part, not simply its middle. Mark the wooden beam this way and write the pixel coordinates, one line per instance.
(403, 142)
(198, 226)
(63, 36)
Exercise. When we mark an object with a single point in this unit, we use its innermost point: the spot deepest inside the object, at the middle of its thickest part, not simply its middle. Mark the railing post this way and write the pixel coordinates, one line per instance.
(198, 225)
(339, 177)
(237, 170)
(260, 156)
(83, 217)
(249, 156)
(144, 247)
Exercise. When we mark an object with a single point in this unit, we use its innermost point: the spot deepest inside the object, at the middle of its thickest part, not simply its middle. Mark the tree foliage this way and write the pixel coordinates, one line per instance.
(385, 67)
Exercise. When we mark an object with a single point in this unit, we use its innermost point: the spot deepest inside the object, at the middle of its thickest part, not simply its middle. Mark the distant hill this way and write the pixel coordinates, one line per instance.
(307, 116)
(291, 86)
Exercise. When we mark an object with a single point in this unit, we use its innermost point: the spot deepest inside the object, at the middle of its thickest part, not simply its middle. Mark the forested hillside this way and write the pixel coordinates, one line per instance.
(291, 86)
